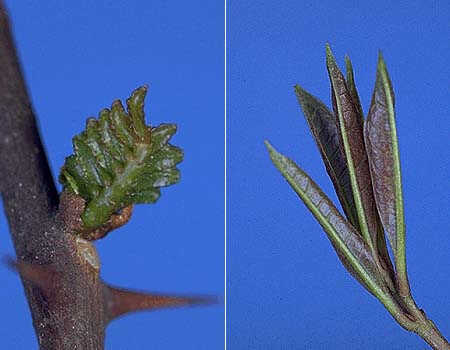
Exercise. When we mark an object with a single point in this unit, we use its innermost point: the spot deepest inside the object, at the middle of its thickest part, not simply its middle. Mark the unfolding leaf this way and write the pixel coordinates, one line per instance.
(119, 161)
(326, 134)
(382, 149)
(350, 123)
(381, 240)
(351, 248)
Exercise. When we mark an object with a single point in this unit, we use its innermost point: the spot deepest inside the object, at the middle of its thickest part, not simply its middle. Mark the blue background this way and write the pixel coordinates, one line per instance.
(80, 56)
(286, 288)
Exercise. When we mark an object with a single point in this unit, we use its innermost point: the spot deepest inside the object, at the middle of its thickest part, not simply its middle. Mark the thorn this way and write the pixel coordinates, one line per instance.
(120, 301)
(41, 276)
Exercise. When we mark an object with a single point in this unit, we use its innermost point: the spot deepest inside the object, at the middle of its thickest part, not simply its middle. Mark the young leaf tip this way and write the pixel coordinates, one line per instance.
(381, 64)
(348, 66)
(300, 93)
(273, 153)
(332, 65)
(329, 53)
(269, 147)
(308, 102)
(298, 89)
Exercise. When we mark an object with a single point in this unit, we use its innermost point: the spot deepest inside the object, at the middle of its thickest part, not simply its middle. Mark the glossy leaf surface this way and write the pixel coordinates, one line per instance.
(119, 161)
(326, 134)
(382, 149)
(350, 247)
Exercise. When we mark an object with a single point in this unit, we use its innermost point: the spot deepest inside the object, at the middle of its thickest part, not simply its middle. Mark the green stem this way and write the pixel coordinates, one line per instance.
(428, 331)
(421, 325)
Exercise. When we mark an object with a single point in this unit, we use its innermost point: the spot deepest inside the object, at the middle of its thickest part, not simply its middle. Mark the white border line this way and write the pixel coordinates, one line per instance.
(225, 173)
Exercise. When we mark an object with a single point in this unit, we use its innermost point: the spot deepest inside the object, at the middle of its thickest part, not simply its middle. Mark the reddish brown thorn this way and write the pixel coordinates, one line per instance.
(41, 276)
(122, 301)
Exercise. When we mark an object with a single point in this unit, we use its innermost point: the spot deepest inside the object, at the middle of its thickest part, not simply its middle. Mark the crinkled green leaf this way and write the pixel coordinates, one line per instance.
(382, 149)
(350, 247)
(350, 123)
(326, 134)
(119, 161)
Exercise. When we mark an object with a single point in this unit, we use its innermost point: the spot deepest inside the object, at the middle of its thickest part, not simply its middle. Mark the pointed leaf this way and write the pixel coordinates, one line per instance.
(352, 86)
(381, 240)
(346, 241)
(351, 126)
(382, 149)
(119, 161)
(326, 134)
